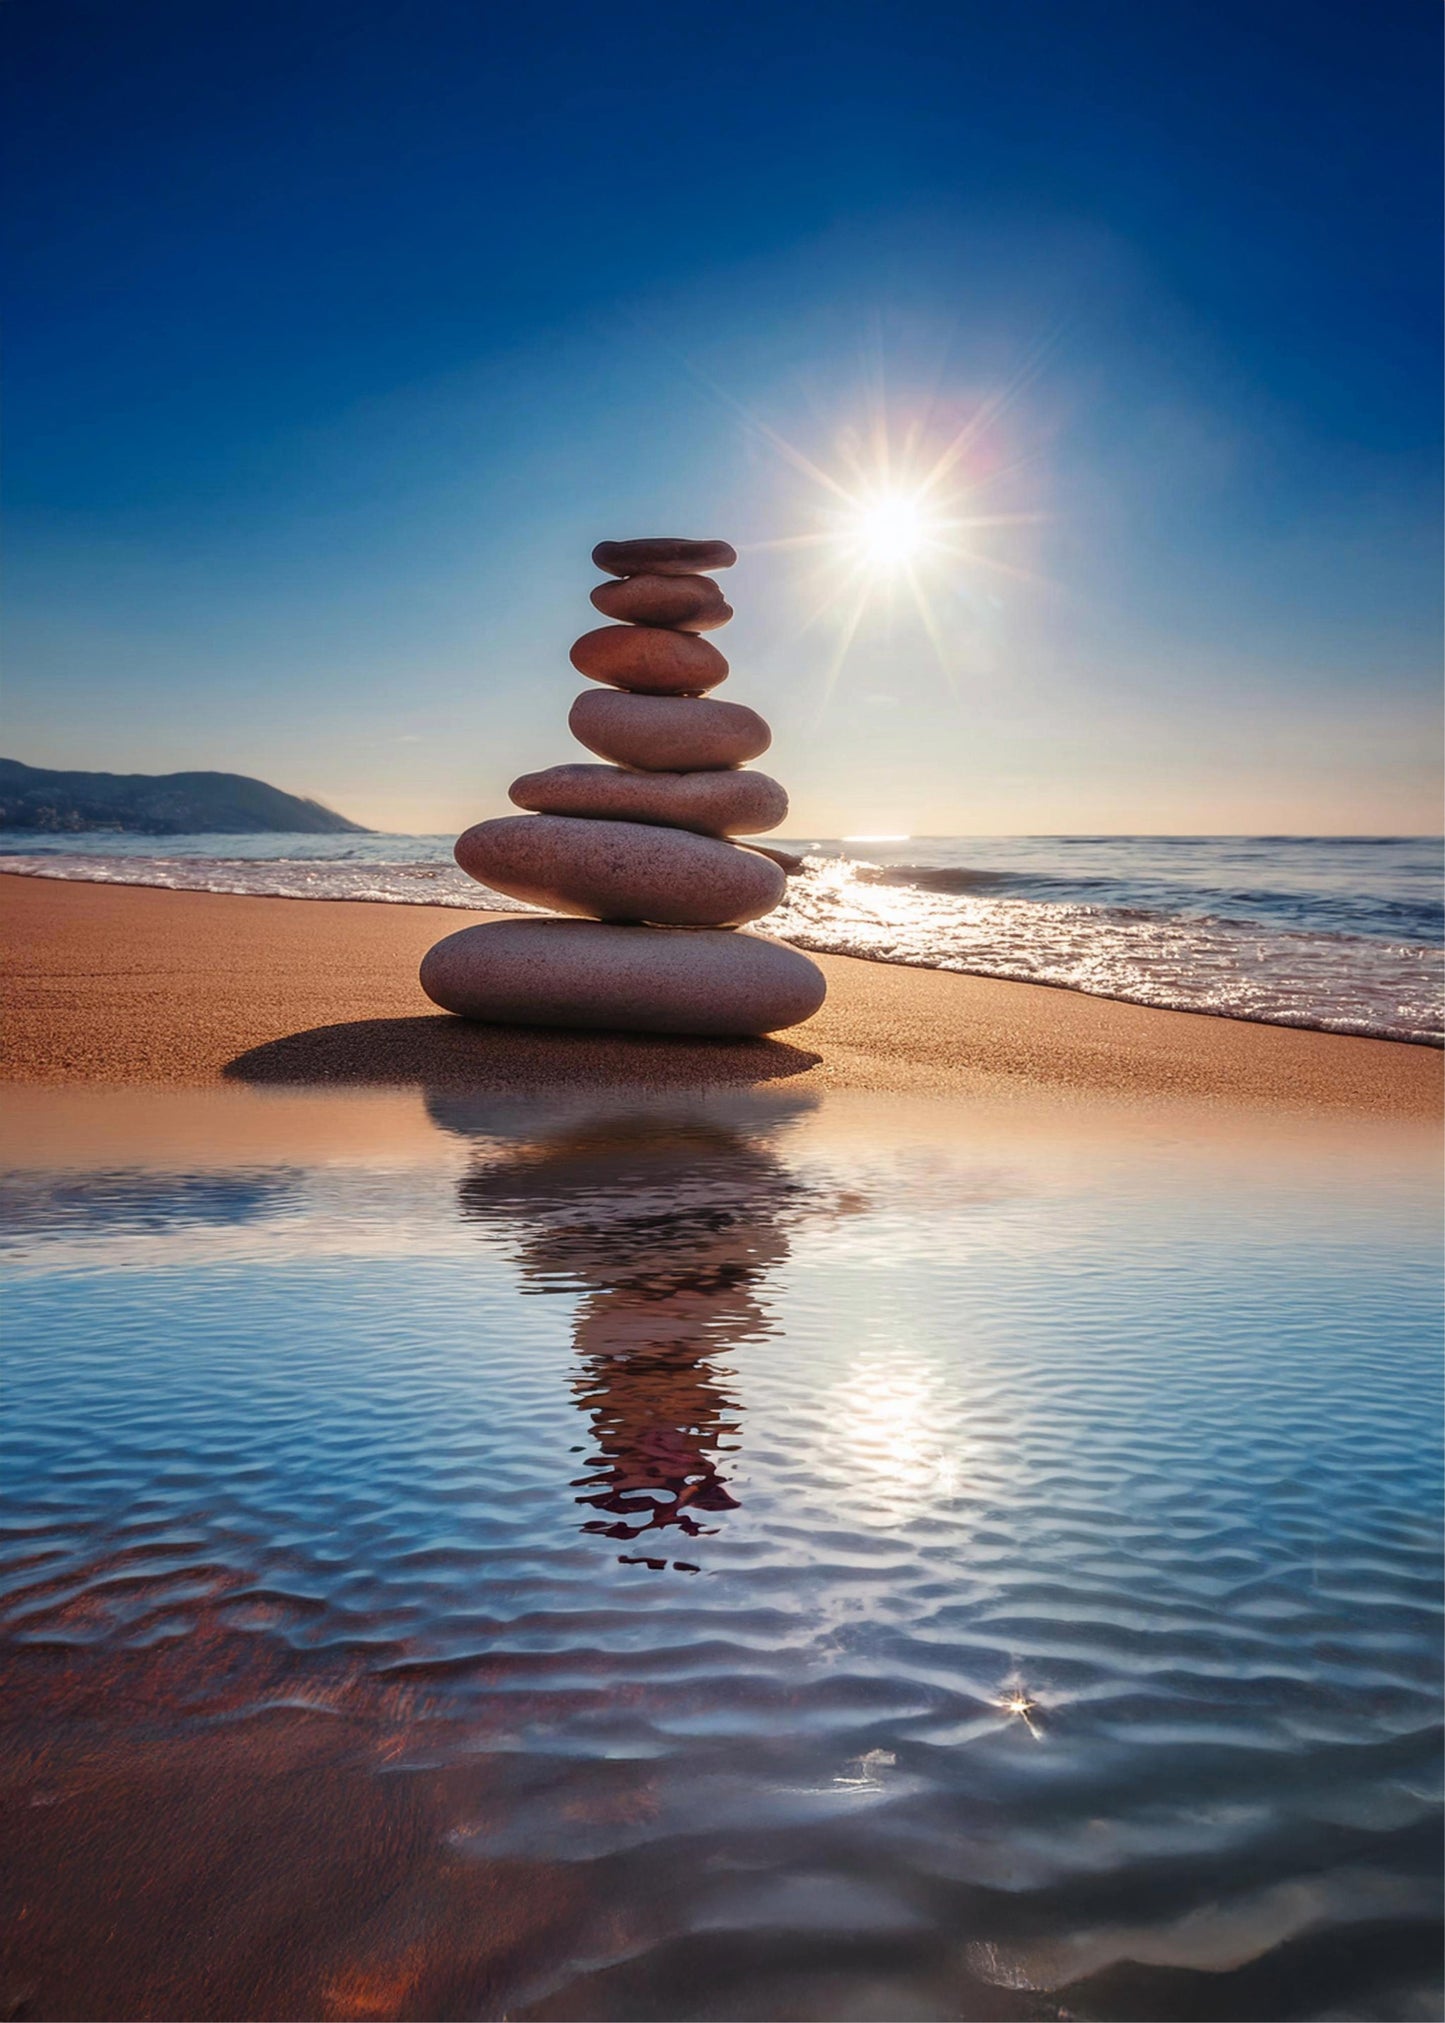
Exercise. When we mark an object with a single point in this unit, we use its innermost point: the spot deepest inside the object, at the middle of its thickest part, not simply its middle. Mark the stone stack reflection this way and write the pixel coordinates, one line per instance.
(669, 1228)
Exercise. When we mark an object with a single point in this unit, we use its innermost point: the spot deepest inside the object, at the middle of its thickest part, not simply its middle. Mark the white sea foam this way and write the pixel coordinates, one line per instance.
(1233, 969)
(404, 883)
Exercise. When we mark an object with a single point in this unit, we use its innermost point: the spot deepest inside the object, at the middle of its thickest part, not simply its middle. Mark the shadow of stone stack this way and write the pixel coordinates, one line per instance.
(641, 848)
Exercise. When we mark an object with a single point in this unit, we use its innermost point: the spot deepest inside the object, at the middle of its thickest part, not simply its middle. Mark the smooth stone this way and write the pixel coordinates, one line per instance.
(667, 733)
(629, 979)
(620, 870)
(728, 803)
(649, 661)
(687, 603)
(788, 861)
(662, 555)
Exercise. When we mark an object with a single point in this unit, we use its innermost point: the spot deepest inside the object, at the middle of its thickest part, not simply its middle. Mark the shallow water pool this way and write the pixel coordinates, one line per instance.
(733, 1556)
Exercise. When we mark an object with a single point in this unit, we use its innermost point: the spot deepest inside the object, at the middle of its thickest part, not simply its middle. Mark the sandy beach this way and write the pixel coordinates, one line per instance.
(128, 985)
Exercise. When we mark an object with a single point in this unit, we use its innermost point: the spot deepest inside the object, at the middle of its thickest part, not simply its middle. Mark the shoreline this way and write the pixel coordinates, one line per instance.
(471, 914)
(133, 984)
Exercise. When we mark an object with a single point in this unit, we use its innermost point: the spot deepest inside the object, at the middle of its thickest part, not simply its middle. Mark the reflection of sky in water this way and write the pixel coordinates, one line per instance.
(1061, 1529)
(59, 1205)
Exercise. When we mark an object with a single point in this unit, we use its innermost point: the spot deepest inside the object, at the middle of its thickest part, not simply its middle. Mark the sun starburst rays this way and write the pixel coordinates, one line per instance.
(908, 513)
(882, 536)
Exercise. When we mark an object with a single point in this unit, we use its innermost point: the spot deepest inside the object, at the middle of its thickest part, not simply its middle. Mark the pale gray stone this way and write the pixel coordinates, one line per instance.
(621, 870)
(631, 979)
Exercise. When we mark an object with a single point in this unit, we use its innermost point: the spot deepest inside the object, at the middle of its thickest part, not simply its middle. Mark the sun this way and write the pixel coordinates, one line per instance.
(891, 530)
(904, 513)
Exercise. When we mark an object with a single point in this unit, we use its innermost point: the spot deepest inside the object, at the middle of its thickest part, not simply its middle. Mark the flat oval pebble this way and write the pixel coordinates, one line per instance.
(667, 733)
(687, 603)
(628, 979)
(649, 661)
(728, 803)
(621, 870)
(788, 861)
(662, 555)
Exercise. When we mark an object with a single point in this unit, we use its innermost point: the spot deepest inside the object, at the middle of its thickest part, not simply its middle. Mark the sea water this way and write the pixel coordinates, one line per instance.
(745, 1556)
(1343, 934)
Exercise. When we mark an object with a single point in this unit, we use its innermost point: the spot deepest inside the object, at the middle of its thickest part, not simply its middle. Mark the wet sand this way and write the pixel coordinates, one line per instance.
(129, 985)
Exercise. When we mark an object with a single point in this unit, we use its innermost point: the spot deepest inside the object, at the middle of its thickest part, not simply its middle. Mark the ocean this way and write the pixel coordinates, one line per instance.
(1338, 934)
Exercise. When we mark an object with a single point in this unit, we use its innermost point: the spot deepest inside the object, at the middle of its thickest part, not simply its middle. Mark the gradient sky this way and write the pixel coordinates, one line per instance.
(338, 331)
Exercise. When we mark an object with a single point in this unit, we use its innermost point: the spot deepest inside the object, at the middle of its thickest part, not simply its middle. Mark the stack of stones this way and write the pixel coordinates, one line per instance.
(641, 847)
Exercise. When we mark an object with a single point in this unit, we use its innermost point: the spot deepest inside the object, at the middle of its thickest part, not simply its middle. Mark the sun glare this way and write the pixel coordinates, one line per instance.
(905, 513)
(892, 530)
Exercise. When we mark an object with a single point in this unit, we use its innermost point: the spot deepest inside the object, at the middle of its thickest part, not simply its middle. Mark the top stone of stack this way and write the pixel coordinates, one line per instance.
(663, 555)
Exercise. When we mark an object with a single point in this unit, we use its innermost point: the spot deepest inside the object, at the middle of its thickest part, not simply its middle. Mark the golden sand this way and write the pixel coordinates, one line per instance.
(130, 985)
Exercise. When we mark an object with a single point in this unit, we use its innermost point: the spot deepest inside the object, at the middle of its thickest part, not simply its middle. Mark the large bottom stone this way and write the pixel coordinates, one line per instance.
(586, 974)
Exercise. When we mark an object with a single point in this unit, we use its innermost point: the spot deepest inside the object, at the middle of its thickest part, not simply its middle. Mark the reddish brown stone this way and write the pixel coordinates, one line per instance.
(687, 603)
(667, 733)
(649, 661)
(662, 555)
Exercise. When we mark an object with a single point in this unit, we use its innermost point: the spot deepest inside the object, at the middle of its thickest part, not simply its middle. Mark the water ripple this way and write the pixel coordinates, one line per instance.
(1017, 1596)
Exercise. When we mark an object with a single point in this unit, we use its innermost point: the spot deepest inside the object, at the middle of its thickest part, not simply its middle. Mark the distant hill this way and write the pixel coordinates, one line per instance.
(158, 804)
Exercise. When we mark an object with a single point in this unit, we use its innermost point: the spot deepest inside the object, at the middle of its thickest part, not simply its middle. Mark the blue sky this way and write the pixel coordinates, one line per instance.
(339, 331)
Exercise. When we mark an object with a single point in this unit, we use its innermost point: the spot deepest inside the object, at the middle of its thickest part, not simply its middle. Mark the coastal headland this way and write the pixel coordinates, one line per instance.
(134, 985)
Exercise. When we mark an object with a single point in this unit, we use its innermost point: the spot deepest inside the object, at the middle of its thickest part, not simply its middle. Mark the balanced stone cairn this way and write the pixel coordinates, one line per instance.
(641, 847)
